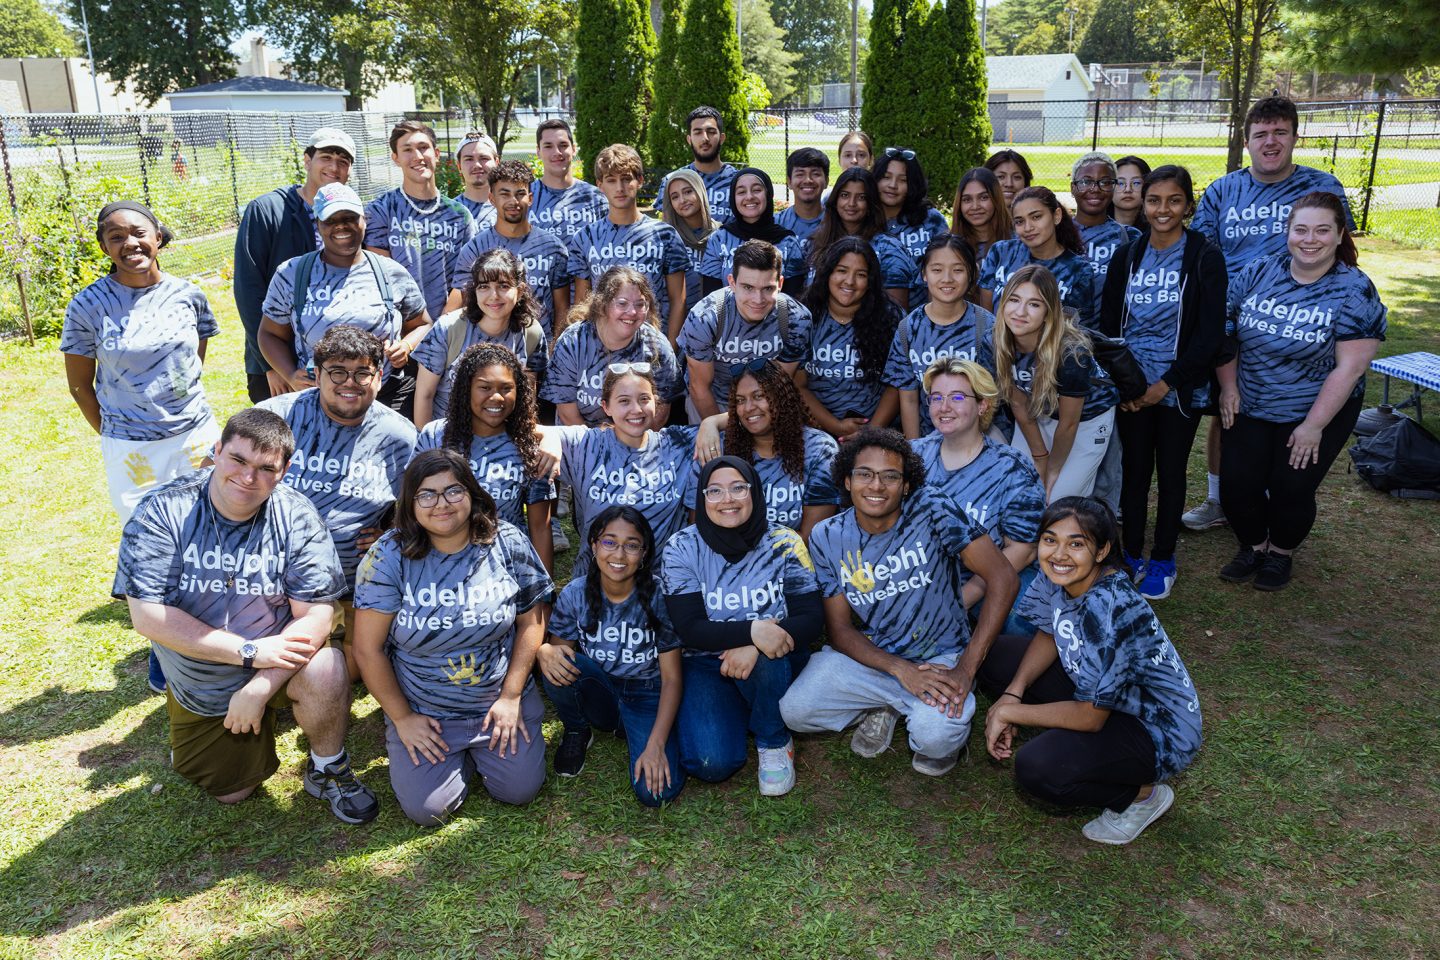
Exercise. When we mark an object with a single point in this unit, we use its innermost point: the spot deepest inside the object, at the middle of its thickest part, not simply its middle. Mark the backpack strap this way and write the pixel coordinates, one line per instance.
(455, 340)
(534, 336)
(782, 314)
(300, 295)
(381, 283)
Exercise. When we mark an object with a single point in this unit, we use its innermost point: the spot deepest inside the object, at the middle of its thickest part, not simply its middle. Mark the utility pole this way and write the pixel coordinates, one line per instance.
(984, 9)
(854, 55)
(90, 53)
(1070, 46)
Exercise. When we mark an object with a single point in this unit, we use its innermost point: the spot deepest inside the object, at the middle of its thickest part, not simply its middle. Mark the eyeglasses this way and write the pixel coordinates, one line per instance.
(620, 369)
(338, 375)
(891, 152)
(737, 370)
(452, 494)
(955, 398)
(1090, 183)
(625, 306)
(887, 478)
(630, 548)
(717, 493)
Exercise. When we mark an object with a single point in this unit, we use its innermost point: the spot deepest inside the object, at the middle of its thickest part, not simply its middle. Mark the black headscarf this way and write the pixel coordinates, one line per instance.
(732, 543)
(764, 228)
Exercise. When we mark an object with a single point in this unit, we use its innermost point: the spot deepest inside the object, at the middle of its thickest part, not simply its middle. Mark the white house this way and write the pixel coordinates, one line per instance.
(1038, 99)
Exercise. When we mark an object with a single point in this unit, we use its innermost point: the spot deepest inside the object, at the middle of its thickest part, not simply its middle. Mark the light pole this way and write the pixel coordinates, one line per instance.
(90, 53)
(1070, 46)
(854, 58)
(984, 9)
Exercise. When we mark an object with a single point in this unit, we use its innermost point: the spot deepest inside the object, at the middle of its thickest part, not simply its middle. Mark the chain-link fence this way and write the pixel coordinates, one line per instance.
(198, 170)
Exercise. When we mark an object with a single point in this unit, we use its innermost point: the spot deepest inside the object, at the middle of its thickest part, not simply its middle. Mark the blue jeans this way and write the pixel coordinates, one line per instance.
(596, 699)
(717, 712)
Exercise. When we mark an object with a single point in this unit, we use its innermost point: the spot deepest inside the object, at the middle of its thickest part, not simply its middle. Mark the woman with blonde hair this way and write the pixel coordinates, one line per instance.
(1062, 400)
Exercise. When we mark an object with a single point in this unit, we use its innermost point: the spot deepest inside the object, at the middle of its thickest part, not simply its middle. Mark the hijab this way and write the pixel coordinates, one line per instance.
(693, 238)
(765, 228)
(732, 543)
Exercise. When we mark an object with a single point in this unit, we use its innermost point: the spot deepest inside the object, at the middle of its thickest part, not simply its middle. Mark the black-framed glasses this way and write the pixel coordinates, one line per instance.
(641, 367)
(452, 494)
(955, 398)
(738, 370)
(887, 478)
(892, 152)
(1090, 183)
(338, 375)
(735, 491)
(629, 547)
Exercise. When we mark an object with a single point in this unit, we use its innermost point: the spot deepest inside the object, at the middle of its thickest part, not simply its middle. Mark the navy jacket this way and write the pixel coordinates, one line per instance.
(276, 226)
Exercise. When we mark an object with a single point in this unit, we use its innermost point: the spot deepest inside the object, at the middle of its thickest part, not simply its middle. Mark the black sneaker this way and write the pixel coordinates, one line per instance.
(349, 799)
(1274, 572)
(570, 756)
(1243, 568)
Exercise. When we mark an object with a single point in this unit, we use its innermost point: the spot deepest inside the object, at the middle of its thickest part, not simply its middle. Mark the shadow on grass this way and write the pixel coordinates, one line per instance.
(56, 712)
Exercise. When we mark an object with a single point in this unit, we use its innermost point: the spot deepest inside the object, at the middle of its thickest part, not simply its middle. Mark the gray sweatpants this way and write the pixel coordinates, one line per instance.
(834, 691)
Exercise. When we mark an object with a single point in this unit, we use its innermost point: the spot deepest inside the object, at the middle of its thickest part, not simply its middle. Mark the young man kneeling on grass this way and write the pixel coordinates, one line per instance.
(900, 643)
(232, 577)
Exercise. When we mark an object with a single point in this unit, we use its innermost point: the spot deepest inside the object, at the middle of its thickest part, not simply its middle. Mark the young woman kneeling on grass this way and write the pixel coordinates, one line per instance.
(1116, 704)
(448, 616)
(613, 661)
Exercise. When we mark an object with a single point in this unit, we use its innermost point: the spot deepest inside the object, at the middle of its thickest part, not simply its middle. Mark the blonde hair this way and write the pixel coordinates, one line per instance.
(1060, 338)
(607, 291)
(986, 392)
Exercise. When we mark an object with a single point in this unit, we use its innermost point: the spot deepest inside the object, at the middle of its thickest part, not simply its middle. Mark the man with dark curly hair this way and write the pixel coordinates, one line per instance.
(890, 568)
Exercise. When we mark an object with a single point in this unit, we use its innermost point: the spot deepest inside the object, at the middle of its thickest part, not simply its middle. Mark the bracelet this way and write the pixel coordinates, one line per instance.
(1007, 693)
(1039, 456)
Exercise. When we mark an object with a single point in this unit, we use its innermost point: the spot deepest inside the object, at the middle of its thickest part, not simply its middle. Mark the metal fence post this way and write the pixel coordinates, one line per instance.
(1374, 158)
(144, 171)
(234, 182)
(1095, 134)
(785, 118)
(15, 212)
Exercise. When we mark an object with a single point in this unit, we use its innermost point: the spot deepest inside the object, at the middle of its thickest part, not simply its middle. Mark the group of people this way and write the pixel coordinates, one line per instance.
(848, 420)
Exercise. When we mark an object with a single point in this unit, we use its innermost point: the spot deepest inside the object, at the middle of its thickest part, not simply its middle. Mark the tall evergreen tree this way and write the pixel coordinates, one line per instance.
(891, 112)
(1124, 33)
(667, 139)
(712, 72)
(615, 46)
(819, 31)
(954, 132)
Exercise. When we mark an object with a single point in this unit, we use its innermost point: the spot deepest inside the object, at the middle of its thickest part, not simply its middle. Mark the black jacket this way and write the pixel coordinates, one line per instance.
(1200, 317)
(276, 227)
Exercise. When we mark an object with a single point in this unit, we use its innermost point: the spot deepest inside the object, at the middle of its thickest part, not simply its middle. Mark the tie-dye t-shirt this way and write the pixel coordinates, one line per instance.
(832, 371)
(604, 472)
(786, 497)
(580, 360)
(498, 467)
(920, 341)
(454, 628)
(565, 212)
(718, 260)
(1248, 219)
(751, 588)
(435, 354)
(898, 269)
(145, 343)
(338, 295)
(1287, 332)
(1078, 376)
(484, 214)
(649, 246)
(717, 191)
(1114, 650)
(1102, 242)
(1152, 315)
(1073, 273)
(798, 225)
(350, 473)
(622, 642)
(914, 240)
(999, 490)
(715, 333)
(546, 259)
(178, 550)
(423, 236)
(903, 585)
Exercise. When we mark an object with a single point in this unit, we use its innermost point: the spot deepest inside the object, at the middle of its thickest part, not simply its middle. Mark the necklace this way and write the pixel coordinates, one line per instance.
(220, 548)
(419, 210)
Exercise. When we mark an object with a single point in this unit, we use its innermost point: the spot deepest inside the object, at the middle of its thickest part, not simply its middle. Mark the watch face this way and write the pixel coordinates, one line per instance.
(248, 651)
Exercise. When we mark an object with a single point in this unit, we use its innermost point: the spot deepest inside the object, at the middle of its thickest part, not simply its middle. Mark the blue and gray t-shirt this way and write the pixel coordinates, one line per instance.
(898, 269)
(999, 490)
(714, 332)
(546, 259)
(1152, 325)
(451, 335)
(1114, 650)
(499, 468)
(568, 211)
(1073, 273)
(580, 361)
(832, 371)
(915, 239)
(423, 236)
(718, 260)
(798, 225)
(650, 246)
(785, 496)
(1102, 242)
(1248, 219)
(350, 473)
(454, 628)
(1287, 332)
(622, 642)
(178, 550)
(484, 214)
(920, 341)
(1080, 375)
(146, 346)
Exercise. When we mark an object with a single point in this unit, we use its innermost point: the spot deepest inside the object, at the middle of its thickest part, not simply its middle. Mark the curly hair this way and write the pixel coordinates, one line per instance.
(500, 265)
(415, 539)
(1066, 233)
(607, 291)
(645, 585)
(831, 229)
(788, 419)
(886, 439)
(877, 317)
(519, 425)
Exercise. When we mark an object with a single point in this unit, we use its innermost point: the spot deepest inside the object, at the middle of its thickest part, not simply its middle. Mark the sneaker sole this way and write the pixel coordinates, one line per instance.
(774, 792)
(1232, 578)
(1269, 587)
(319, 794)
(1201, 527)
(1113, 842)
(1156, 596)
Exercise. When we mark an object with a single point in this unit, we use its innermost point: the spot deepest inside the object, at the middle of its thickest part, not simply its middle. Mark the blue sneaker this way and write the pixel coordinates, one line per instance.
(1159, 578)
(1136, 566)
(156, 680)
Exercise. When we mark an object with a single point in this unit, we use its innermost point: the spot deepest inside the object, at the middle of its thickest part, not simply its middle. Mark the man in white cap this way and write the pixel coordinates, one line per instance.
(277, 226)
(476, 156)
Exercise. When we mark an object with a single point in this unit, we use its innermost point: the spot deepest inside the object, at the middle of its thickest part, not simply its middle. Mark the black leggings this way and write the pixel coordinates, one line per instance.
(1065, 767)
(1154, 440)
(1265, 499)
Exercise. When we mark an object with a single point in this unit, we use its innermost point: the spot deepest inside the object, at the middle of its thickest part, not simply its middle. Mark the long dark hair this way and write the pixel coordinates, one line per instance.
(917, 188)
(877, 317)
(1001, 157)
(1002, 225)
(1324, 200)
(644, 576)
(1095, 521)
(415, 539)
(494, 265)
(519, 426)
(788, 419)
(1065, 231)
(831, 229)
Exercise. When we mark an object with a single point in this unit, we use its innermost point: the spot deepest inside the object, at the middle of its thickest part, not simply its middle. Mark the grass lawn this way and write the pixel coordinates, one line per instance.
(1307, 827)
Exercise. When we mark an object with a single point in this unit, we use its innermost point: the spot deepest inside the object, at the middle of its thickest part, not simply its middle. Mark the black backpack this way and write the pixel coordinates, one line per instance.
(1402, 460)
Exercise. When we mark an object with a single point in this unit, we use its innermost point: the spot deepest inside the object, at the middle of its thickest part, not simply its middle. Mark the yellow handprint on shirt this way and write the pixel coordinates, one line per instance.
(788, 541)
(856, 572)
(466, 673)
(138, 466)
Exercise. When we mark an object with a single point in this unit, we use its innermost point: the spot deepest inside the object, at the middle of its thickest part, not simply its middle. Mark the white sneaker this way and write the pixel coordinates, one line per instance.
(777, 770)
(936, 766)
(876, 730)
(1118, 829)
(1204, 516)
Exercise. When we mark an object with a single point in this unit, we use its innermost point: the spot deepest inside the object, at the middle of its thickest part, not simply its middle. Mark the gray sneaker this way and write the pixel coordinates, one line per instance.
(557, 536)
(876, 730)
(349, 799)
(1118, 829)
(939, 766)
(1205, 516)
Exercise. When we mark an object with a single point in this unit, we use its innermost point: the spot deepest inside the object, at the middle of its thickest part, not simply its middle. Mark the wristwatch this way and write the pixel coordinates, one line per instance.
(248, 652)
